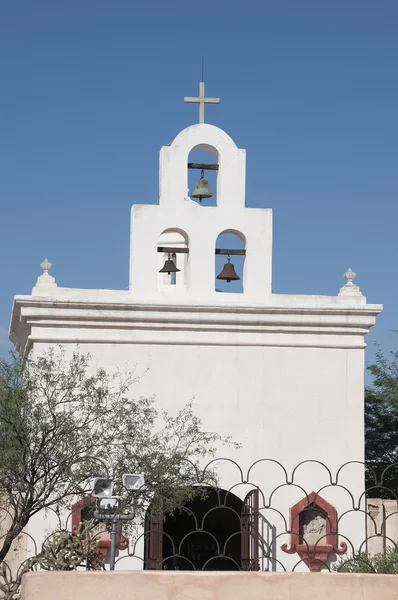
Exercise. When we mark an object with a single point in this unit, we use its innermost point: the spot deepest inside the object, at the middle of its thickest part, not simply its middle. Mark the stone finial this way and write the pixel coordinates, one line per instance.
(349, 276)
(45, 279)
(45, 265)
(350, 289)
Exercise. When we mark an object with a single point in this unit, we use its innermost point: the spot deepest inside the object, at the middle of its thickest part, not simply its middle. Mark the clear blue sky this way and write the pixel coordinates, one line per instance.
(91, 89)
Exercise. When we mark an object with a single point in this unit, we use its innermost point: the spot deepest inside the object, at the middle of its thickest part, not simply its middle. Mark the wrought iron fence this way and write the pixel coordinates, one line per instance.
(269, 518)
(228, 530)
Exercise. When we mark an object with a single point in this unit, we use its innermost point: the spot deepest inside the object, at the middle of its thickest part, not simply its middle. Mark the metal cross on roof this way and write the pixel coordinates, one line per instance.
(201, 100)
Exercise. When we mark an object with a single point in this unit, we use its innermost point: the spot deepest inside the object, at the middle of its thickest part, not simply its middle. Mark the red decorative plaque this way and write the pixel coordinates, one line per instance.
(313, 531)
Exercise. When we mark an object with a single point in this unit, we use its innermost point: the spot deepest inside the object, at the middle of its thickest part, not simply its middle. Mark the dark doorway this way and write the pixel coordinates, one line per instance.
(210, 533)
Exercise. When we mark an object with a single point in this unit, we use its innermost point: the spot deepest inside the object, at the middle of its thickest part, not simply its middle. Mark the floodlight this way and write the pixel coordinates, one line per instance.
(102, 487)
(109, 503)
(133, 481)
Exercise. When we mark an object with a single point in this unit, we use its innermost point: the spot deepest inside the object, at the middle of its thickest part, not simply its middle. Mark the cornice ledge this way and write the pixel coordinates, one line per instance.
(337, 308)
(60, 321)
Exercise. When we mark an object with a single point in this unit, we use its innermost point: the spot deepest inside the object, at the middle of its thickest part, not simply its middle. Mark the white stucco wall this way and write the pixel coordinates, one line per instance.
(285, 382)
(284, 403)
(282, 374)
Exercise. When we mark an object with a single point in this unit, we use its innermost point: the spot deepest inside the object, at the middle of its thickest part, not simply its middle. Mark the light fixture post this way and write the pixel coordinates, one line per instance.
(109, 507)
(113, 546)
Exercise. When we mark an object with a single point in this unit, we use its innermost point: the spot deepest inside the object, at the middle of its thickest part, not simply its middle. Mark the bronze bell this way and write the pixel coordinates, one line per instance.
(169, 266)
(228, 273)
(202, 188)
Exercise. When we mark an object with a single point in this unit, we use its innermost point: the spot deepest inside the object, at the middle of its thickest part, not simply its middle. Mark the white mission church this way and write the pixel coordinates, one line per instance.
(282, 374)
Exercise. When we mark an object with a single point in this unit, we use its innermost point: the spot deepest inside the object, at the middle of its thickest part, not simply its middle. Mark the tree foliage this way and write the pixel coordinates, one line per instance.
(362, 562)
(61, 425)
(385, 377)
(381, 427)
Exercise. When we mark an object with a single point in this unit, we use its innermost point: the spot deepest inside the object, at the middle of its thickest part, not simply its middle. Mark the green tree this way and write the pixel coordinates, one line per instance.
(59, 426)
(381, 426)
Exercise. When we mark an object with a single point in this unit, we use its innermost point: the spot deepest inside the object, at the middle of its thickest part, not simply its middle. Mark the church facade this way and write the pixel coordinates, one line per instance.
(283, 375)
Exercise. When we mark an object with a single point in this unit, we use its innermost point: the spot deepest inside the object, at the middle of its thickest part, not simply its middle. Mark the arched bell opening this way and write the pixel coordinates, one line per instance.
(202, 175)
(172, 263)
(230, 262)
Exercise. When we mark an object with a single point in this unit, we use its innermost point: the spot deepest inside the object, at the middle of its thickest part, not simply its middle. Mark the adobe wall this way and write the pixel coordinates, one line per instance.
(158, 585)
